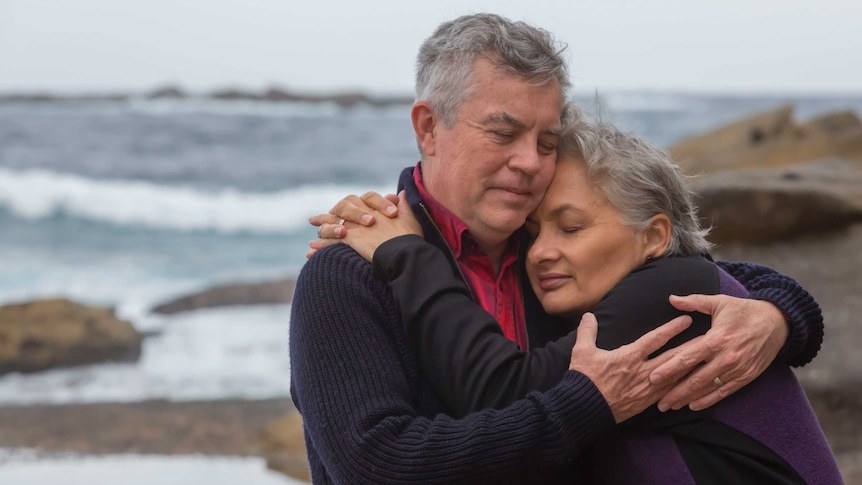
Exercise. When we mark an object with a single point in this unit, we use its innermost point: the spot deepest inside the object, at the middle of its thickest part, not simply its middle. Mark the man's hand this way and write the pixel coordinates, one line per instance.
(745, 338)
(622, 375)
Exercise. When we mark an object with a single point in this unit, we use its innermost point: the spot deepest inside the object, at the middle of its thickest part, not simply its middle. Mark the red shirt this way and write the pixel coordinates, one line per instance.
(498, 293)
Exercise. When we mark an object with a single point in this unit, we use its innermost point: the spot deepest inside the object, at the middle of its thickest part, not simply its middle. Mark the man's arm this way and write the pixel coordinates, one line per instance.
(368, 417)
(803, 313)
(746, 336)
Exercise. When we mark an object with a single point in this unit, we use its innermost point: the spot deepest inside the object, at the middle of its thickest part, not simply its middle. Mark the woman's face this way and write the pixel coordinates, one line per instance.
(580, 248)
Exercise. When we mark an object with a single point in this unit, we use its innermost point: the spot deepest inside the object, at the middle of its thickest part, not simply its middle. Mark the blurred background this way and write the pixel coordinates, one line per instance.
(161, 159)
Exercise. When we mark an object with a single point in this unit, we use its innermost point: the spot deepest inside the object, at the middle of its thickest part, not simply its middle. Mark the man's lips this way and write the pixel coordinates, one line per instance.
(515, 191)
(551, 281)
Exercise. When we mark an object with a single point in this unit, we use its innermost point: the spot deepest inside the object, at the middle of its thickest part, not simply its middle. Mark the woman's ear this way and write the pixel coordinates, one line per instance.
(424, 121)
(657, 237)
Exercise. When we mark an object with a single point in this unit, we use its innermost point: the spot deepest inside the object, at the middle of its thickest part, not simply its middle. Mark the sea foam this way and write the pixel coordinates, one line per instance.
(39, 194)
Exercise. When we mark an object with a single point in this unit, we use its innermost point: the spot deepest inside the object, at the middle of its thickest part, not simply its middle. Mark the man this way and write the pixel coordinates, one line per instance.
(487, 120)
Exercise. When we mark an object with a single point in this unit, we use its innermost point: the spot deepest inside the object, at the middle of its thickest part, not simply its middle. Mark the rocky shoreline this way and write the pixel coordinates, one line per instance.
(219, 428)
(271, 94)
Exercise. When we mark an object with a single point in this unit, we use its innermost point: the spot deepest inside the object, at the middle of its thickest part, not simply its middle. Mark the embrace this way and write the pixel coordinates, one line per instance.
(442, 344)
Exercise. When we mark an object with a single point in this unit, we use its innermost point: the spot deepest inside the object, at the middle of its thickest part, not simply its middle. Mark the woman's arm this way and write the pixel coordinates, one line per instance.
(462, 349)
(459, 345)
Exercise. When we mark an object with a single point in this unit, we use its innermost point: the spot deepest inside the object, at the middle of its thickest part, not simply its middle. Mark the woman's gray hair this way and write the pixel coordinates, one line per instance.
(445, 61)
(638, 178)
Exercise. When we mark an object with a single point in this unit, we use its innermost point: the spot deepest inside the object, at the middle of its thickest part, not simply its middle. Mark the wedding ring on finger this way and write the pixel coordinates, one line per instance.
(340, 222)
(718, 382)
(319, 228)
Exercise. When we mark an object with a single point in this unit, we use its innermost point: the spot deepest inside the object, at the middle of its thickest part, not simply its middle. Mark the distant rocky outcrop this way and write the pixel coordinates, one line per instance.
(771, 139)
(269, 292)
(276, 94)
(272, 94)
(767, 177)
(167, 92)
(45, 334)
(283, 446)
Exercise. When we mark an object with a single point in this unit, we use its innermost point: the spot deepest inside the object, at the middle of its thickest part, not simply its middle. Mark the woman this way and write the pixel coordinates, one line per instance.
(616, 234)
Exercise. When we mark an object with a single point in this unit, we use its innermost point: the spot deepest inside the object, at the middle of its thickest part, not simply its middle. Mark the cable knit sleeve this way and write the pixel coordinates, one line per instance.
(371, 417)
(803, 313)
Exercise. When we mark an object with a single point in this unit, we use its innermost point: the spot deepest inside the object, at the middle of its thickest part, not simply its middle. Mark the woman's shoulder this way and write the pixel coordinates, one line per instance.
(639, 303)
(678, 275)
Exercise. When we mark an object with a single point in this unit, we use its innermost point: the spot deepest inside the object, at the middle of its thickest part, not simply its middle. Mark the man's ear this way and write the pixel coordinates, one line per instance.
(657, 236)
(424, 121)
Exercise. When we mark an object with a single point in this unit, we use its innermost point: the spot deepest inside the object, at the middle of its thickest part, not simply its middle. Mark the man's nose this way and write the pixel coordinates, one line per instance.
(526, 158)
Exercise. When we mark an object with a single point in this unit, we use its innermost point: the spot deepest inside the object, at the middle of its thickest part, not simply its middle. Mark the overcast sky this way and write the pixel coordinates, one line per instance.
(322, 46)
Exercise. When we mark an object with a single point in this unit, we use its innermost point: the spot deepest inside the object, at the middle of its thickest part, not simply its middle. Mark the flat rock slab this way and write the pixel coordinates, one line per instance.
(762, 205)
(226, 428)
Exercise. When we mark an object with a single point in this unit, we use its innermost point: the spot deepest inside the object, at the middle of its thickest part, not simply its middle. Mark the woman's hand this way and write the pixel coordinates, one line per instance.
(358, 210)
(356, 222)
(366, 239)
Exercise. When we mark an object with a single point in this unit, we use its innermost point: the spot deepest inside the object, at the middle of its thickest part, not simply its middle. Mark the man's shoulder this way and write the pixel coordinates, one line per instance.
(336, 262)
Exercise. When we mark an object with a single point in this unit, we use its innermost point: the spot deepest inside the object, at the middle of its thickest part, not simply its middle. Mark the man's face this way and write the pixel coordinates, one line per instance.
(493, 165)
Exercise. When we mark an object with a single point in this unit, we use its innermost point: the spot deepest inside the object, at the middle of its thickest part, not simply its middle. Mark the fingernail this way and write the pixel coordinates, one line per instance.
(390, 210)
(694, 407)
(366, 218)
(663, 407)
(338, 231)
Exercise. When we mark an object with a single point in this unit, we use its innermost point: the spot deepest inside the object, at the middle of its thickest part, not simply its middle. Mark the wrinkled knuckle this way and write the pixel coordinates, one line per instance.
(688, 360)
(696, 382)
(338, 207)
(714, 345)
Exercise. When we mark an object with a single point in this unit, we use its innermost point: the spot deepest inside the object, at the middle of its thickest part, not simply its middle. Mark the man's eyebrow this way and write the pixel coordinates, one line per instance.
(504, 117)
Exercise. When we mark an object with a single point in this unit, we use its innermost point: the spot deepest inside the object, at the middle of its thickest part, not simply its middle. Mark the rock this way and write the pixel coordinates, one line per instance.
(771, 204)
(45, 334)
(233, 95)
(771, 139)
(277, 94)
(283, 445)
(271, 292)
(229, 427)
(166, 92)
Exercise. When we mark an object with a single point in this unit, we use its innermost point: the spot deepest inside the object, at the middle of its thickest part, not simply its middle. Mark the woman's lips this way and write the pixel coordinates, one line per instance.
(552, 281)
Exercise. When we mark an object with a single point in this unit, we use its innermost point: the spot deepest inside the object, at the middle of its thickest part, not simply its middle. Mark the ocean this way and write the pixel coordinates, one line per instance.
(128, 204)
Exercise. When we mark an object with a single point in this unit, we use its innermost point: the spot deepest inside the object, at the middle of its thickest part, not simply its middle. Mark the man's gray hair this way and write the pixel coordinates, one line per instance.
(445, 61)
(638, 178)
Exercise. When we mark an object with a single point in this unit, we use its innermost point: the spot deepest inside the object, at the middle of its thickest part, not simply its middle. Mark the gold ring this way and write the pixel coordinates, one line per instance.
(340, 222)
